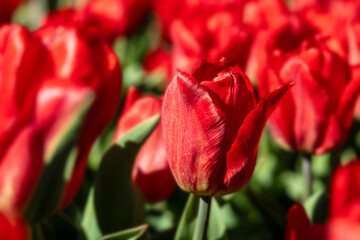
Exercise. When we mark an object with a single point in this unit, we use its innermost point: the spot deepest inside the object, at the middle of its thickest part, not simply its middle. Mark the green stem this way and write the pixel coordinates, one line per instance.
(202, 218)
(307, 175)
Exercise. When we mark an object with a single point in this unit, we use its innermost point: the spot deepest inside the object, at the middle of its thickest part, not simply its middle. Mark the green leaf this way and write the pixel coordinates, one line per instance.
(273, 213)
(60, 158)
(116, 203)
(316, 207)
(129, 234)
(216, 229)
(57, 227)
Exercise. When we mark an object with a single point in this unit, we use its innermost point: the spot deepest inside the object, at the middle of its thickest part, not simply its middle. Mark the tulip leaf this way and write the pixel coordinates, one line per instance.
(57, 227)
(116, 203)
(186, 227)
(272, 212)
(316, 207)
(59, 164)
(128, 234)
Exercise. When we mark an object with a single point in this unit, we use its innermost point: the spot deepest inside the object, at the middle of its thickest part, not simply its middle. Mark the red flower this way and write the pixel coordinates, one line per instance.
(151, 171)
(212, 126)
(75, 65)
(158, 61)
(286, 36)
(299, 227)
(117, 17)
(112, 18)
(344, 223)
(353, 37)
(317, 115)
(79, 56)
(211, 35)
(167, 12)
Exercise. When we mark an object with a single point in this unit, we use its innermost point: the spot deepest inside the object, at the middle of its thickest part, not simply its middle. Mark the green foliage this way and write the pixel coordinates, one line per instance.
(115, 203)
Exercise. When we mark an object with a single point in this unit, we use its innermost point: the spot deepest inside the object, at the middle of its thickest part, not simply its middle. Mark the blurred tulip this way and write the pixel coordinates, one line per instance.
(317, 115)
(151, 171)
(212, 126)
(353, 38)
(166, 12)
(210, 35)
(39, 110)
(299, 227)
(7, 8)
(117, 17)
(344, 223)
(287, 35)
(157, 63)
(112, 18)
(79, 56)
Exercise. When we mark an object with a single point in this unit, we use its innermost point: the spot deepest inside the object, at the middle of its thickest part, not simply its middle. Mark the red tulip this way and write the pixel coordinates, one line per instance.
(327, 18)
(344, 223)
(353, 37)
(167, 12)
(317, 115)
(37, 110)
(20, 141)
(287, 35)
(158, 62)
(151, 171)
(117, 17)
(212, 126)
(80, 57)
(7, 8)
(299, 226)
(210, 35)
(112, 18)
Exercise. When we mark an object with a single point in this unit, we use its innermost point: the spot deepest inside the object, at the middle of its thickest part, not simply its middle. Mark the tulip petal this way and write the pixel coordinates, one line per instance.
(194, 128)
(241, 158)
(340, 122)
(20, 170)
(298, 223)
(345, 188)
(311, 104)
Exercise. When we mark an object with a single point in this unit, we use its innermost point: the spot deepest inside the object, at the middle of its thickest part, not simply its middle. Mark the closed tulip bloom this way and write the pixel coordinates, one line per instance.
(212, 125)
(317, 114)
(299, 226)
(344, 222)
(151, 171)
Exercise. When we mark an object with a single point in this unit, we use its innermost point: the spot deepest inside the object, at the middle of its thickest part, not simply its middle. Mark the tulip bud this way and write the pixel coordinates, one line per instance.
(151, 171)
(299, 226)
(317, 115)
(212, 126)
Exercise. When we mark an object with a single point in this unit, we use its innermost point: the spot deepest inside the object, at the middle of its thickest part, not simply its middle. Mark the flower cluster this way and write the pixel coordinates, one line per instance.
(108, 105)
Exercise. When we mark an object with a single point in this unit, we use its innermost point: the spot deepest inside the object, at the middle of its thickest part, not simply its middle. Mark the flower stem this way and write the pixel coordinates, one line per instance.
(307, 175)
(202, 218)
